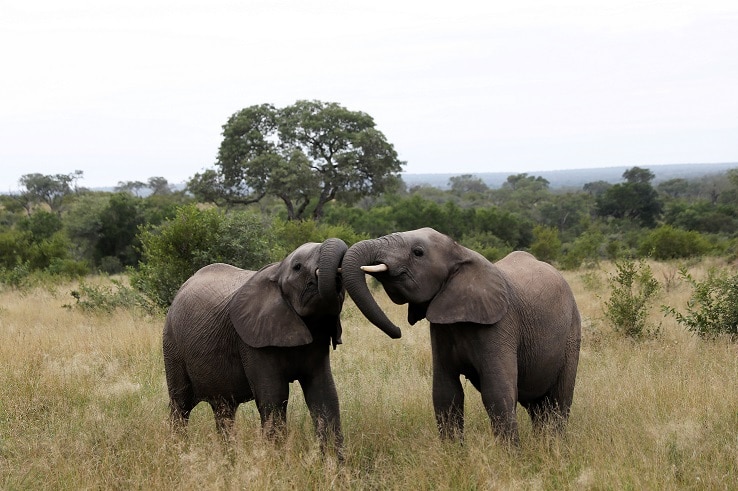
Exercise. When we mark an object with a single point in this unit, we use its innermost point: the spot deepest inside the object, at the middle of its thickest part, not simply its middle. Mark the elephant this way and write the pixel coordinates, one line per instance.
(232, 336)
(512, 328)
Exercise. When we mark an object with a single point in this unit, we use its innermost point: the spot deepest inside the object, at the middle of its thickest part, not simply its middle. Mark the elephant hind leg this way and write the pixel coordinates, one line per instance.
(180, 407)
(225, 414)
(552, 409)
(181, 401)
(547, 413)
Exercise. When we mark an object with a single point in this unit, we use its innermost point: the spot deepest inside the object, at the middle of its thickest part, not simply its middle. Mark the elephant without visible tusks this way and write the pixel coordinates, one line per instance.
(233, 336)
(512, 328)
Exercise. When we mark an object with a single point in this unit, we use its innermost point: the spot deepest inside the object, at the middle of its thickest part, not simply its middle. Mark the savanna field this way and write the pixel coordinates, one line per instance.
(84, 406)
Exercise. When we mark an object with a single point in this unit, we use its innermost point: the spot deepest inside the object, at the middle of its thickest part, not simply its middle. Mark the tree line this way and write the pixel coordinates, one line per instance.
(314, 170)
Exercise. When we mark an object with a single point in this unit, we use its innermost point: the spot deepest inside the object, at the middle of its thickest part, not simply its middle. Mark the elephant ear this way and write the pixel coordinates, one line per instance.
(261, 315)
(477, 292)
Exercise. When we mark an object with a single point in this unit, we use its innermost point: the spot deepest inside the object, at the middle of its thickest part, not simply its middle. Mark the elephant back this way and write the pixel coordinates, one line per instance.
(203, 299)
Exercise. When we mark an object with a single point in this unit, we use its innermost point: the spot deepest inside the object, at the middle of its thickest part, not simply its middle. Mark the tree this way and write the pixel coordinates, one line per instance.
(596, 188)
(159, 186)
(117, 235)
(467, 183)
(133, 187)
(524, 181)
(638, 175)
(306, 154)
(638, 201)
(49, 189)
(635, 199)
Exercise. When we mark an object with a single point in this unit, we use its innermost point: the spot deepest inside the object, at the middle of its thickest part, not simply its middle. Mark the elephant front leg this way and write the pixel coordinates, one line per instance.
(322, 402)
(448, 404)
(271, 401)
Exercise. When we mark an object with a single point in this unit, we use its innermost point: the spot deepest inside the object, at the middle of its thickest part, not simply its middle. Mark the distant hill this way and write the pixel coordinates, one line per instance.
(576, 178)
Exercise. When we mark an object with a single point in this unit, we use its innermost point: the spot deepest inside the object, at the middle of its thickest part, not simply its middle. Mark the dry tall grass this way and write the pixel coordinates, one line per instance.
(84, 406)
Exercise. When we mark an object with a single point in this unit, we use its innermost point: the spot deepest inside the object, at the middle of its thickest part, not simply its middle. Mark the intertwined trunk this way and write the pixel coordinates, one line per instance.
(364, 253)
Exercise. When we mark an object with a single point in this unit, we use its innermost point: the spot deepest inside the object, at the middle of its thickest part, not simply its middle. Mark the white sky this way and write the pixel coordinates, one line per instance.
(129, 90)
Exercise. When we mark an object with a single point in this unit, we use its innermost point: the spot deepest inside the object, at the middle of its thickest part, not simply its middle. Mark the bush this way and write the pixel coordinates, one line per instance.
(546, 244)
(175, 250)
(290, 234)
(632, 289)
(68, 268)
(108, 298)
(487, 244)
(585, 249)
(712, 310)
(667, 242)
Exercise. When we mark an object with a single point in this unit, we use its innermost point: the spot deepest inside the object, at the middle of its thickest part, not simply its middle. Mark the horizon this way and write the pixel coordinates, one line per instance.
(716, 167)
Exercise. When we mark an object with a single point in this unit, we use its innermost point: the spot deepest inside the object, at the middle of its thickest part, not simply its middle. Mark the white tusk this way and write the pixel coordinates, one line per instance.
(376, 268)
(317, 271)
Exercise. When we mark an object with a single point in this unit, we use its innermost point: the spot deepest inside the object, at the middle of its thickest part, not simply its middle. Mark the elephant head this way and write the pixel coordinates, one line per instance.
(276, 305)
(439, 280)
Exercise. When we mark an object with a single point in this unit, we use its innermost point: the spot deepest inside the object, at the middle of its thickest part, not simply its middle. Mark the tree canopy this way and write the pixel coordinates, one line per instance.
(306, 154)
(48, 189)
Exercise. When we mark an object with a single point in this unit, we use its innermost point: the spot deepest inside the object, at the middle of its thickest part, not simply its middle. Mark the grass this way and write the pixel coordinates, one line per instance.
(83, 405)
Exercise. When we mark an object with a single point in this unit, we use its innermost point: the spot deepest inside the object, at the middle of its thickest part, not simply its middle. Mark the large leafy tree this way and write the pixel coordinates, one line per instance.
(306, 154)
(635, 199)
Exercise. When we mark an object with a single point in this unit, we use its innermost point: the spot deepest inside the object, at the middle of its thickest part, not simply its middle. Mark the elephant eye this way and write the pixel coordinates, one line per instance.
(297, 267)
(418, 252)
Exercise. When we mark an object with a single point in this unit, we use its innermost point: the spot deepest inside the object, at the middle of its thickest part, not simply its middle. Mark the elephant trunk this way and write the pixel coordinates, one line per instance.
(329, 262)
(363, 254)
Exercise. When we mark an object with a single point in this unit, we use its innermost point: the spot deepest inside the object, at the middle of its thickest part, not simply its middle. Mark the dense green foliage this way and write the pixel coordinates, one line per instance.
(195, 238)
(101, 230)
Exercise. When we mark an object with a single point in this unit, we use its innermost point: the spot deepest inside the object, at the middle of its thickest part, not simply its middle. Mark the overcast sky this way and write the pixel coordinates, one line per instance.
(129, 90)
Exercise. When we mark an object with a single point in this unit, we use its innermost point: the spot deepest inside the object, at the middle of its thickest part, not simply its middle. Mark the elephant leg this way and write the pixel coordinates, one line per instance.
(448, 403)
(543, 413)
(180, 408)
(271, 400)
(500, 398)
(322, 402)
(181, 393)
(552, 409)
(501, 411)
(225, 414)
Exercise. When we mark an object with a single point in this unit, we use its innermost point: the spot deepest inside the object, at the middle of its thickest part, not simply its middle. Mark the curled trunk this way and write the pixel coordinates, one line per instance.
(364, 253)
(330, 285)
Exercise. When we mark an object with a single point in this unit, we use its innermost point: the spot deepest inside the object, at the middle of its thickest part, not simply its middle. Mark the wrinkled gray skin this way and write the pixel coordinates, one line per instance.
(512, 328)
(233, 336)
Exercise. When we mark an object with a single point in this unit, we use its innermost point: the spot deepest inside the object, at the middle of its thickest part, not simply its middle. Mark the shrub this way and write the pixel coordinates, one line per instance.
(68, 268)
(107, 298)
(712, 310)
(546, 245)
(632, 289)
(667, 242)
(176, 249)
(584, 249)
(290, 234)
(487, 244)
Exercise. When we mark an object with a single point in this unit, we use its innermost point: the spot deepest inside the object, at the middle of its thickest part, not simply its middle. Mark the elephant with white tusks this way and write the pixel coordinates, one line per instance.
(233, 336)
(512, 328)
